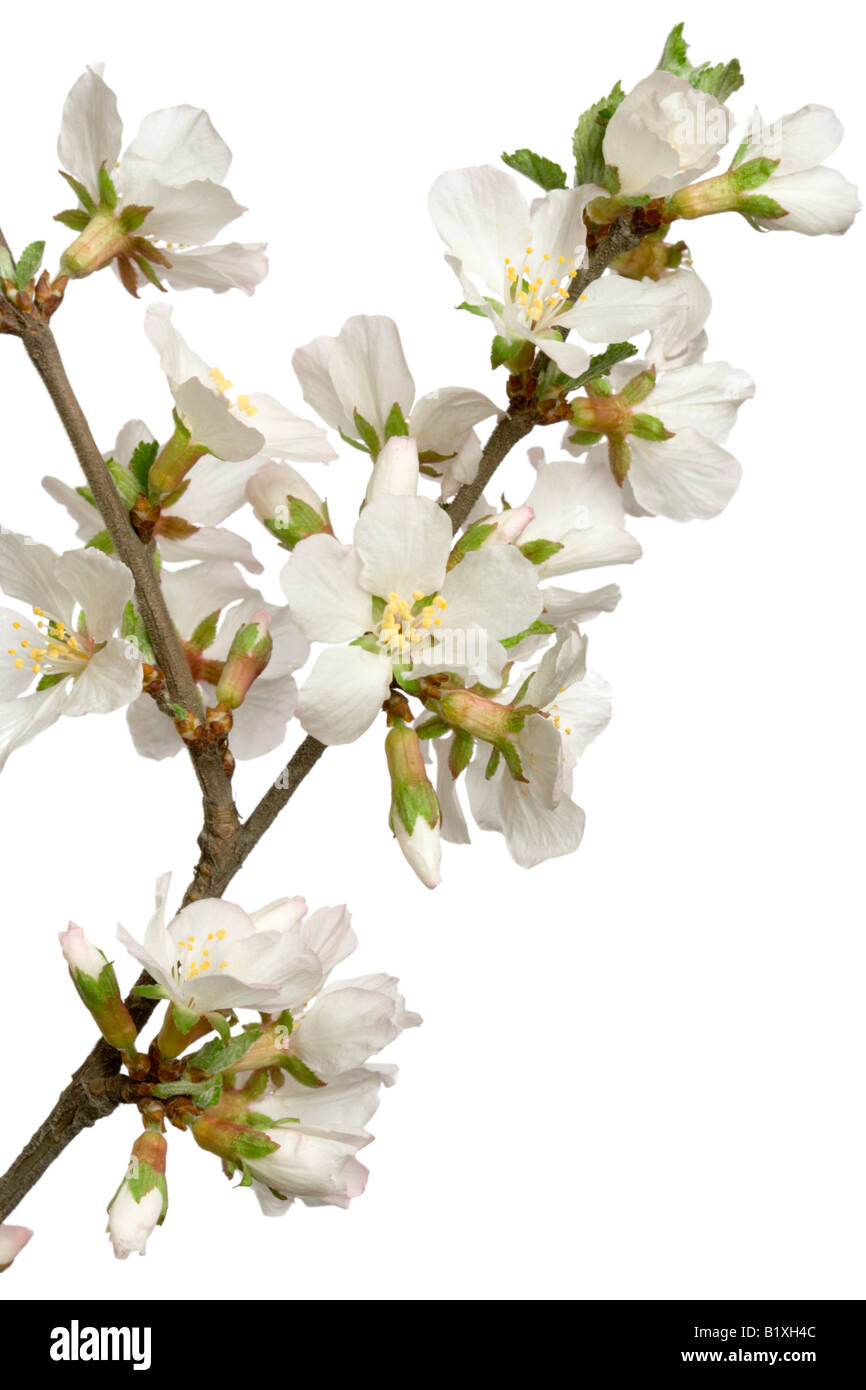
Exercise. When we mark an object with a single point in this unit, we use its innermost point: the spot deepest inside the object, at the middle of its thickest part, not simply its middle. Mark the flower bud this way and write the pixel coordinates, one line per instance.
(12, 1241)
(395, 472)
(248, 656)
(480, 717)
(141, 1201)
(96, 983)
(102, 239)
(234, 1143)
(285, 503)
(415, 816)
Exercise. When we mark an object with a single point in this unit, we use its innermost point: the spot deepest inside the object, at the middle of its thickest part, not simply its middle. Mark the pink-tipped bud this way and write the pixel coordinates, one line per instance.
(96, 983)
(12, 1241)
(248, 656)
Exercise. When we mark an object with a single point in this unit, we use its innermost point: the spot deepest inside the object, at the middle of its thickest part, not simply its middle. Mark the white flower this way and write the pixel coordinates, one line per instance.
(673, 309)
(538, 818)
(186, 530)
(68, 653)
(689, 476)
(348, 1022)
(816, 199)
(574, 506)
(197, 596)
(664, 135)
(233, 430)
(213, 955)
(318, 1167)
(132, 1221)
(12, 1241)
(364, 371)
(392, 587)
(175, 166)
(494, 236)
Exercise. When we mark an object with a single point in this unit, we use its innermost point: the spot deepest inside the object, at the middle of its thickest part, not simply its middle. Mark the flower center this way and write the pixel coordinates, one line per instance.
(242, 405)
(194, 956)
(539, 285)
(49, 648)
(404, 625)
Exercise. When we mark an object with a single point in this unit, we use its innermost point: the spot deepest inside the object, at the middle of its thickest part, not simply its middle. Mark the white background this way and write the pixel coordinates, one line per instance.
(640, 1074)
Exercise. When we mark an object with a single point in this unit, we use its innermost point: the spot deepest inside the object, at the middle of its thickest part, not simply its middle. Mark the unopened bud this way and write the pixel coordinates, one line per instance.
(480, 717)
(395, 472)
(651, 259)
(96, 983)
(230, 1141)
(141, 1201)
(102, 239)
(415, 815)
(248, 656)
(12, 1241)
(285, 503)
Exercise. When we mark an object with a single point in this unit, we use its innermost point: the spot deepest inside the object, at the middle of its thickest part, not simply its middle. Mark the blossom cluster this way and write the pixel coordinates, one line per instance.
(451, 622)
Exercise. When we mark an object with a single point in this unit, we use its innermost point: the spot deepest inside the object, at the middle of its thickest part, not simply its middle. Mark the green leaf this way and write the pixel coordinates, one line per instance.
(602, 363)
(537, 552)
(536, 629)
(107, 190)
(101, 541)
(720, 81)
(28, 263)
(395, 423)
(7, 269)
(84, 491)
(217, 1056)
(143, 459)
(367, 434)
(545, 172)
(76, 219)
(205, 634)
(80, 192)
(589, 136)
(149, 991)
(123, 480)
(296, 1068)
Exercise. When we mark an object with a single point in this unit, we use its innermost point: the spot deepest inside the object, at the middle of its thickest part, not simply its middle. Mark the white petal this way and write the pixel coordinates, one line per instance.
(403, 544)
(395, 472)
(801, 140)
(260, 722)
(686, 478)
(287, 436)
(29, 572)
(321, 584)
(235, 266)
(214, 490)
(210, 543)
(153, 733)
(176, 357)
(328, 931)
(453, 827)
(210, 422)
(199, 590)
(102, 585)
(194, 213)
(129, 436)
(569, 356)
(14, 629)
(369, 371)
(483, 218)
(343, 694)
(704, 397)
(175, 145)
(83, 513)
(817, 201)
(562, 605)
(312, 368)
(90, 129)
(441, 420)
(495, 589)
(24, 718)
(110, 680)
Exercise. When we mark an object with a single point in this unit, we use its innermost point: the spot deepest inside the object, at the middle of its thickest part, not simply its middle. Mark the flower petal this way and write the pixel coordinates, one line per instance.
(24, 718)
(194, 213)
(234, 266)
(110, 680)
(403, 544)
(90, 129)
(210, 422)
(288, 436)
(321, 584)
(343, 694)
(102, 585)
(369, 370)
(482, 216)
(29, 572)
(686, 478)
(494, 589)
(176, 145)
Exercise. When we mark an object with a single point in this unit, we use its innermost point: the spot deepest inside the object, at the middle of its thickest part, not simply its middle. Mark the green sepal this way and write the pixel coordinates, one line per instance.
(719, 81)
(433, 728)
(461, 752)
(254, 1144)
(48, 681)
(131, 217)
(101, 541)
(477, 309)
(639, 387)
(76, 219)
(536, 629)
(201, 1093)
(545, 172)
(759, 205)
(754, 173)
(409, 801)
(585, 438)
(589, 137)
(473, 539)
(649, 427)
(511, 758)
(536, 552)
(347, 439)
(28, 263)
(368, 642)
(509, 351)
(96, 990)
(147, 270)
(183, 1019)
(218, 1056)
(492, 764)
(205, 634)
(149, 991)
(107, 190)
(367, 435)
(80, 192)
(301, 1073)
(219, 1022)
(395, 423)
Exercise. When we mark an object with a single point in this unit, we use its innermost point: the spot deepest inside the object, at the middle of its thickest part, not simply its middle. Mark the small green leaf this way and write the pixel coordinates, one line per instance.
(126, 485)
(28, 263)
(537, 552)
(84, 491)
(7, 269)
(202, 1093)
(217, 1056)
(602, 363)
(205, 634)
(545, 172)
(142, 461)
(76, 219)
(720, 81)
(297, 1069)
(589, 137)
